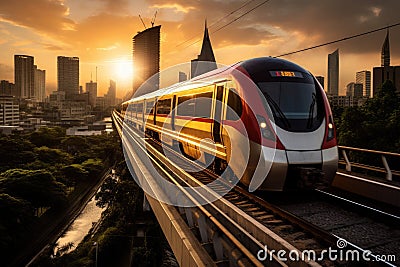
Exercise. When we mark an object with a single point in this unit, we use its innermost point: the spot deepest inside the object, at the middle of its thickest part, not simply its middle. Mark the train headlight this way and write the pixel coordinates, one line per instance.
(263, 125)
(331, 129)
(265, 130)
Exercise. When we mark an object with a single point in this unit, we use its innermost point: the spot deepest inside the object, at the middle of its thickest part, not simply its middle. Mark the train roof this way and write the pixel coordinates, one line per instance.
(253, 67)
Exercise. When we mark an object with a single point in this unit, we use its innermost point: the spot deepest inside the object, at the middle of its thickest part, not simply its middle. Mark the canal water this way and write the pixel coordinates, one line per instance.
(81, 226)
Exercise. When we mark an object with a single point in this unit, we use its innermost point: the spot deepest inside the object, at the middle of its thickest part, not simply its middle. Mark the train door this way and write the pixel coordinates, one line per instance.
(173, 111)
(219, 98)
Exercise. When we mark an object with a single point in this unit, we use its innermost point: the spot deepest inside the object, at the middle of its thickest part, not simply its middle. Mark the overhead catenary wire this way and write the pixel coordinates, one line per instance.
(232, 21)
(338, 40)
(216, 22)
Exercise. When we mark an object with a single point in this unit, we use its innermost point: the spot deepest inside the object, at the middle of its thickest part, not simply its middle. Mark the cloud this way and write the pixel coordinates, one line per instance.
(309, 22)
(41, 15)
(175, 7)
(115, 5)
(52, 47)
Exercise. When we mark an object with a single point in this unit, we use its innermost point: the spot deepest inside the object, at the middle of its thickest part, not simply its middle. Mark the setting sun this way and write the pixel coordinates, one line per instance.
(124, 71)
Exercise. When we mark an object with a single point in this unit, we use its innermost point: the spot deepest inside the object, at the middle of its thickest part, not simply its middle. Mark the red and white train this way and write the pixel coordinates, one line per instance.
(266, 118)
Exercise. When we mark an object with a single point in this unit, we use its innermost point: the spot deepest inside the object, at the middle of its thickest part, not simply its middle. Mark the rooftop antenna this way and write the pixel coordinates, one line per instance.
(142, 22)
(154, 19)
(96, 74)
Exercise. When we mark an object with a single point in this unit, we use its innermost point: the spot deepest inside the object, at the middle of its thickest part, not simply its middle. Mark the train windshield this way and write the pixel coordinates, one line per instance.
(296, 103)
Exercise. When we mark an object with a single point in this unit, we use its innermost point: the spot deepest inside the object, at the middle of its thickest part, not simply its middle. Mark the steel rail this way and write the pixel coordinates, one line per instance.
(207, 214)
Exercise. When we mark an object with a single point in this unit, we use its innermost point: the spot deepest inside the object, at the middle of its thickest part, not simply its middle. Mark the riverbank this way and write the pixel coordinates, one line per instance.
(54, 222)
(126, 235)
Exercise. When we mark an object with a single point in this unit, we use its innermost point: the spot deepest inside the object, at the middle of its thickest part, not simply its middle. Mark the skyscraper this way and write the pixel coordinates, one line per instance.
(24, 76)
(182, 76)
(204, 62)
(68, 75)
(91, 88)
(354, 90)
(333, 73)
(385, 71)
(111, 94)
(40, 84)
(385, 53)
(364, 77)
(146, 59)
(321, 80)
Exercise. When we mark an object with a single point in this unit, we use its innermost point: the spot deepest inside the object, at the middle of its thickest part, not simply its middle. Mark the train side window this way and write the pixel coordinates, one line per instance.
(203, 103)
(186, 106)
(150, 107)
(164, 106)
(235, 107)
(140, 110)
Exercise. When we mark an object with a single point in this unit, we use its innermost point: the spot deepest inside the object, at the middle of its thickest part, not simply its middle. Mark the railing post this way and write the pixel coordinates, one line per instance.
(388, 171)
(348, 164)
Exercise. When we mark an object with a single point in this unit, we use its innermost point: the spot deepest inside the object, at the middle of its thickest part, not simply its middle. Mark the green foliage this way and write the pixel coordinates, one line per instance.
(376, 125)
(93, 167)
(15, 216)
(75, 144)
(50, 137)
(38, 187)
(14, 152)
(52, 155)
(74, 172)
(106, 194)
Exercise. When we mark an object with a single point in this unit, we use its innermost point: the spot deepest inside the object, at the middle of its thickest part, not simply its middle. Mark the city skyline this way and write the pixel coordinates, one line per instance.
(100, 34)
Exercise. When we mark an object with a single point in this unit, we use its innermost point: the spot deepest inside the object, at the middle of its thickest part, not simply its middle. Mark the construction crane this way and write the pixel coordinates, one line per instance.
(154, 19)
(142, 22)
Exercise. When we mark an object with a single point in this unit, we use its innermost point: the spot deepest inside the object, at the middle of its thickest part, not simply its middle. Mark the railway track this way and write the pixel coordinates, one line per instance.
(253, 222)
(363, 225)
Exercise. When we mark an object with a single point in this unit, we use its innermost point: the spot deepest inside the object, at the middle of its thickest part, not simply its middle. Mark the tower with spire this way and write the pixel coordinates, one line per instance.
(205, 61)
(385, 54)
(385, 71)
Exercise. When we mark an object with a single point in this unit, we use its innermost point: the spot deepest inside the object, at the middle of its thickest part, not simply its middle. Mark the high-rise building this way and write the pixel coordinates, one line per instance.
(182, 76)
(9, 111)
(385, 71)
(24, 76)
(364, 77)
(68, 75)
(111, 94)
(355, 90)
(40, 84)
(7, 88)
(321, 80)
(385, 52)
(146, 59)
(204, 62)
(333, 73)
(91, 88)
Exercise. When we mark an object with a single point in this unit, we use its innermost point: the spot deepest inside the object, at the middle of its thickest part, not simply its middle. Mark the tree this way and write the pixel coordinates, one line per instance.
(15, 152)
(46, 136)
(376, 125)
(74, 144)
(15, 217)
(38, 187)
(74, 172)
(52, 155)
(93, 166)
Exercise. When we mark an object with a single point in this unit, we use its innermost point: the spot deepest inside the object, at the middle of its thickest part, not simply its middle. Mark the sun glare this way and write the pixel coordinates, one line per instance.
(124, 71)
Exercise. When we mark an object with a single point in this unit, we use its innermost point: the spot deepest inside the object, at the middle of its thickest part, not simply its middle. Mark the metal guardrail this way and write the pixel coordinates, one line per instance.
(386, 168)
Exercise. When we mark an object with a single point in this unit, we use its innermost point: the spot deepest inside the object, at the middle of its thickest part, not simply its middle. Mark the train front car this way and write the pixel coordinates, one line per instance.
(306, 152)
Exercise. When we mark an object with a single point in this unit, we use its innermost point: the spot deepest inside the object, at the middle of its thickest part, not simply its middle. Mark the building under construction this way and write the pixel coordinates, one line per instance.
(146, 60)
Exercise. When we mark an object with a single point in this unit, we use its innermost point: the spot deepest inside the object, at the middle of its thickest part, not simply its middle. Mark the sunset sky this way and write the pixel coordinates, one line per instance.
(100, 33)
